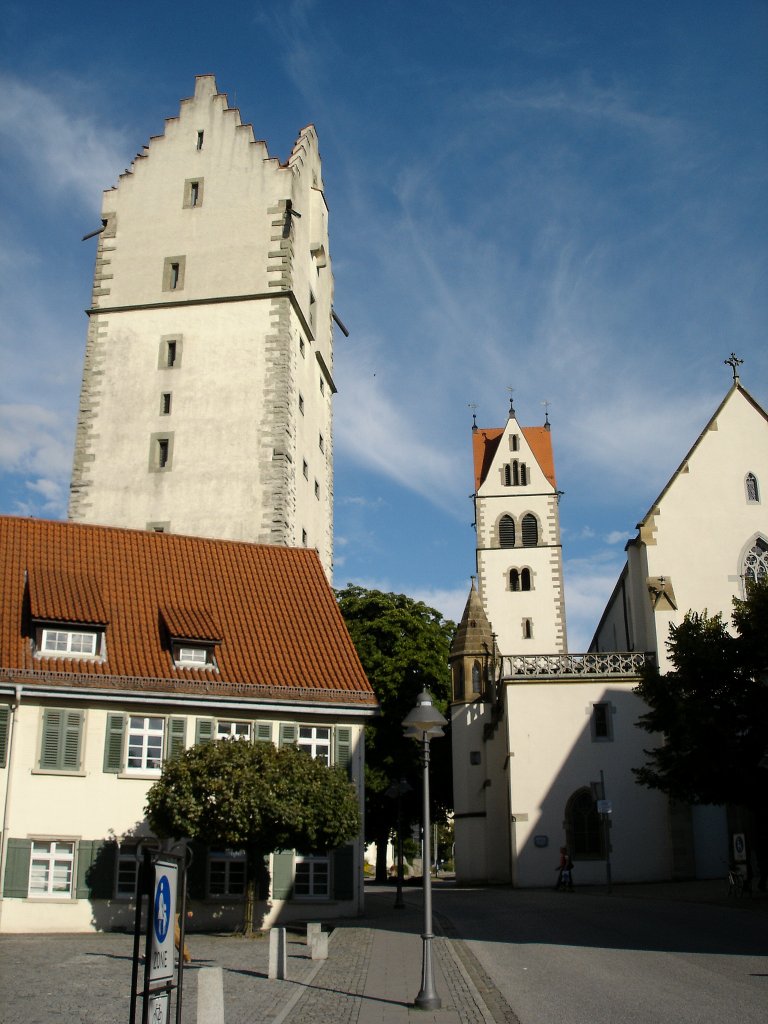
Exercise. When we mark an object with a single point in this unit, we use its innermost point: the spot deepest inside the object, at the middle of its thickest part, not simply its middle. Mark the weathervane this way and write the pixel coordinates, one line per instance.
(511, 406)
(473, 407)
(546, 403)
(734, 362)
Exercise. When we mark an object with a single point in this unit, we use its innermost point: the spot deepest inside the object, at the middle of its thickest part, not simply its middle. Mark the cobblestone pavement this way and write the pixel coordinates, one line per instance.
(372, 976)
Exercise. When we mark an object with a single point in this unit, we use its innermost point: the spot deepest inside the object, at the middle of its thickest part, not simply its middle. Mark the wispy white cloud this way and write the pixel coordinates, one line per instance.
(31, 442)
(589, 583)
(63, 149)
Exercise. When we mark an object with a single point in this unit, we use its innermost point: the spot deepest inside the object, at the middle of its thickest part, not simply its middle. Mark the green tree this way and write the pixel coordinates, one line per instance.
(712, 711)
(254, 797)
(403, 645)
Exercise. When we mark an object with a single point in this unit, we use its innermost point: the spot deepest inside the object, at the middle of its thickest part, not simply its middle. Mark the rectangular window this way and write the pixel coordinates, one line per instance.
(165, 403)
(61, 740)
(71, 642)
(170, 352)
(51, 869)
(145, 743)
(312, 879)
(197, 656)
(602, 722)
(173, 273)
(226, 873)
(233, 730)
(316, 740)
(200, 136)
(193, 193)
(161, 453)
(127, 873)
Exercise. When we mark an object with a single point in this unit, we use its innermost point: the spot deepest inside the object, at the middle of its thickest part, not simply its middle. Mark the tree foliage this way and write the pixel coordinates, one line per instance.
(712, 708)
(403, 645)
(253, 796)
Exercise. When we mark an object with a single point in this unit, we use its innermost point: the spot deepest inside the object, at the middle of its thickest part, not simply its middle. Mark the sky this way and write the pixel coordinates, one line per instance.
(568, 199)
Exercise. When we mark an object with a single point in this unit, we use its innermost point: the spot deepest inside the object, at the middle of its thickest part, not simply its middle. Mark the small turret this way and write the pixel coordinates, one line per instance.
(473, 653)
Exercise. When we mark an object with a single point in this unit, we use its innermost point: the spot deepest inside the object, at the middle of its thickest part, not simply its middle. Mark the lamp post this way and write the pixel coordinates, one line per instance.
(396, 792)
(424, 723)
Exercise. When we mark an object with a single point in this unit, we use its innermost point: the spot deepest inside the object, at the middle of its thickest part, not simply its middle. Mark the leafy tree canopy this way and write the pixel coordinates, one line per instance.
(712, 708)
(403, 645)
(252, 795)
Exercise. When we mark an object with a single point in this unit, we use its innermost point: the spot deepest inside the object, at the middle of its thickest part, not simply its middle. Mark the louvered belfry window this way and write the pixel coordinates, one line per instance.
(506, 532)
(530, 531)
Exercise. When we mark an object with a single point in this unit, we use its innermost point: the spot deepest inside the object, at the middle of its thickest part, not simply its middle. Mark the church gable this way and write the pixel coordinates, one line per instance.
(513, 457)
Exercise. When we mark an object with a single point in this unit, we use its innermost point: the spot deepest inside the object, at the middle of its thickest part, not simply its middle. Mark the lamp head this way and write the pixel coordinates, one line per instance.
(424, 718)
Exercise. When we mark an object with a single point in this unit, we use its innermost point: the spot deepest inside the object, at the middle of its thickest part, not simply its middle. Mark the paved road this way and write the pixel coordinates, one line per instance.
(561, 958)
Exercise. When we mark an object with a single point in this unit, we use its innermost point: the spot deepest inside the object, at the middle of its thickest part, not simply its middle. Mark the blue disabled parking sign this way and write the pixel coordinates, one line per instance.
(163, 910)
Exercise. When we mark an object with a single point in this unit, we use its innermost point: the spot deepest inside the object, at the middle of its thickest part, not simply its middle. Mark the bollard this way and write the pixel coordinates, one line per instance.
(313, 928)
(319, 946)
(278, 956)
(210, 995)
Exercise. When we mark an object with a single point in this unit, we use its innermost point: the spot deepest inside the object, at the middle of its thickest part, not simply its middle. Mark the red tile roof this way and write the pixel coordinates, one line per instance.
(271, 608)
(485, 441)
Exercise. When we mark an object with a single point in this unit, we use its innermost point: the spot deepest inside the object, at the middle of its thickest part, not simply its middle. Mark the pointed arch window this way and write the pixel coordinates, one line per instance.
(506, 532)
(530, 530)
(756, 562)
(583, 828)
(507, 475)
(476, 677)
(753, 491)
(527, 629)
(525, 579)
(515, 473)
(514, 579)
(523, 474)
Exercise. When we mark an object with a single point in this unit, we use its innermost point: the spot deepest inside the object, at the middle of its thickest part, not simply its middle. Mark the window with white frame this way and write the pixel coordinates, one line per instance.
(316, 740)
(145, 743)
(233, 730)
(127, 873)
(193, 655)
(51, 869)
(226, 872)
(72, 642)
(312, 876)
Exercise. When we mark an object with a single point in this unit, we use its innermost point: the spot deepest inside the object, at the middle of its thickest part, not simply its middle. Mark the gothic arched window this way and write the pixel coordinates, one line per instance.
(523, 474)
(476, 688)
(753, 491)
(515, 473)
(530, 530)
(583, 828)
(756, 561)
(514, 579)
(507, 476)
(527, 629)
(506, 532)
(525, 579)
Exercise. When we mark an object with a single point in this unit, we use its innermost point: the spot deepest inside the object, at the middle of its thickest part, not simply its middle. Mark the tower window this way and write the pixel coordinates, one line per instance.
(514, 579)
(527, 629)
(523, 474)
(525, 579)
(160, 453)
(165, 403)
(476, 676)
(753, 491)
(507, 475)
(193, 193)
(530, 530)
(170, 352)
(173, 273)
(514, 442)
(515, 473)
(506, 532)
(200, 136)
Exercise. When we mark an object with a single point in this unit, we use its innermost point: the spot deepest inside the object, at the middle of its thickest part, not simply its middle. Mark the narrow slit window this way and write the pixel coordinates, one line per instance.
(162, 453)
(317, 490)
(194, 193)
(200, 137)
(174, 276)
(303, 538)
(301, 403)
(321, 442)
(305, 469)
(165, 403)
(171, 360)
(527, 629)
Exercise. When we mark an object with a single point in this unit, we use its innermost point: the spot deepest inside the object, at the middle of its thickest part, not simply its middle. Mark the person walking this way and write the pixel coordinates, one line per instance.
(564, 870)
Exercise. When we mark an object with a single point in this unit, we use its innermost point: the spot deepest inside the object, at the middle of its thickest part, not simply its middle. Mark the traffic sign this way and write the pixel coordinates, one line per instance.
(163, 909)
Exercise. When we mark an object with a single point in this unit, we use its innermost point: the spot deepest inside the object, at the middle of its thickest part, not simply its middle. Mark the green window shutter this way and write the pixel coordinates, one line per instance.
(282, 875)
(203, 730)
(72, 730)
(177, 734)
(113, 743)
(344, 873)
(17, 858)
(86, 851)
(262, 732)
(50, 746)
(5, 721)
(343, 752)
(288, 734)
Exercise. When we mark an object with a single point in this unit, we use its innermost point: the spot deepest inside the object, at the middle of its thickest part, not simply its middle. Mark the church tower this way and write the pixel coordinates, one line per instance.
(519, 554)
(205, 405)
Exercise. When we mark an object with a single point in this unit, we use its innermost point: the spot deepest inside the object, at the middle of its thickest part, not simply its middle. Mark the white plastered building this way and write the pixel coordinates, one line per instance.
(205, 406)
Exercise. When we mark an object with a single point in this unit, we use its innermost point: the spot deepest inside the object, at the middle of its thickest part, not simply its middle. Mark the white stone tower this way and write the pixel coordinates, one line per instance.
(206, 396)
(519, 554)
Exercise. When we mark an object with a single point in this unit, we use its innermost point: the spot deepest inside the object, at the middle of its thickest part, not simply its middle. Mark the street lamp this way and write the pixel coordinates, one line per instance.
(423, 724)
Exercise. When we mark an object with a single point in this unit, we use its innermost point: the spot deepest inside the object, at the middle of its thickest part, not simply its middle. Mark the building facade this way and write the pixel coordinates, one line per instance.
(206, 397)
(118, 649)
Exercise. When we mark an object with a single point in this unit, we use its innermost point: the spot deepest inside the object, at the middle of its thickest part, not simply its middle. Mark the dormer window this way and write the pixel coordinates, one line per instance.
(193, 637)
(193, 655)
(73, 643)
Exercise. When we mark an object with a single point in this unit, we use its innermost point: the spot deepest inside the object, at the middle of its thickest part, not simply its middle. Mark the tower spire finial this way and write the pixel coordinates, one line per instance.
(473, 407)
(546, 403)
(511, 403)
(734, 362)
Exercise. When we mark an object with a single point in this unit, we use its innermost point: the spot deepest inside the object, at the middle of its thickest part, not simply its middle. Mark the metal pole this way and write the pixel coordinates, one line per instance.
(427, 999)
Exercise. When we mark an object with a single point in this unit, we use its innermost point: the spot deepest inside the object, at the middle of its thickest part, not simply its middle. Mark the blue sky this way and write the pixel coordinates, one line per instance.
(565, 198)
